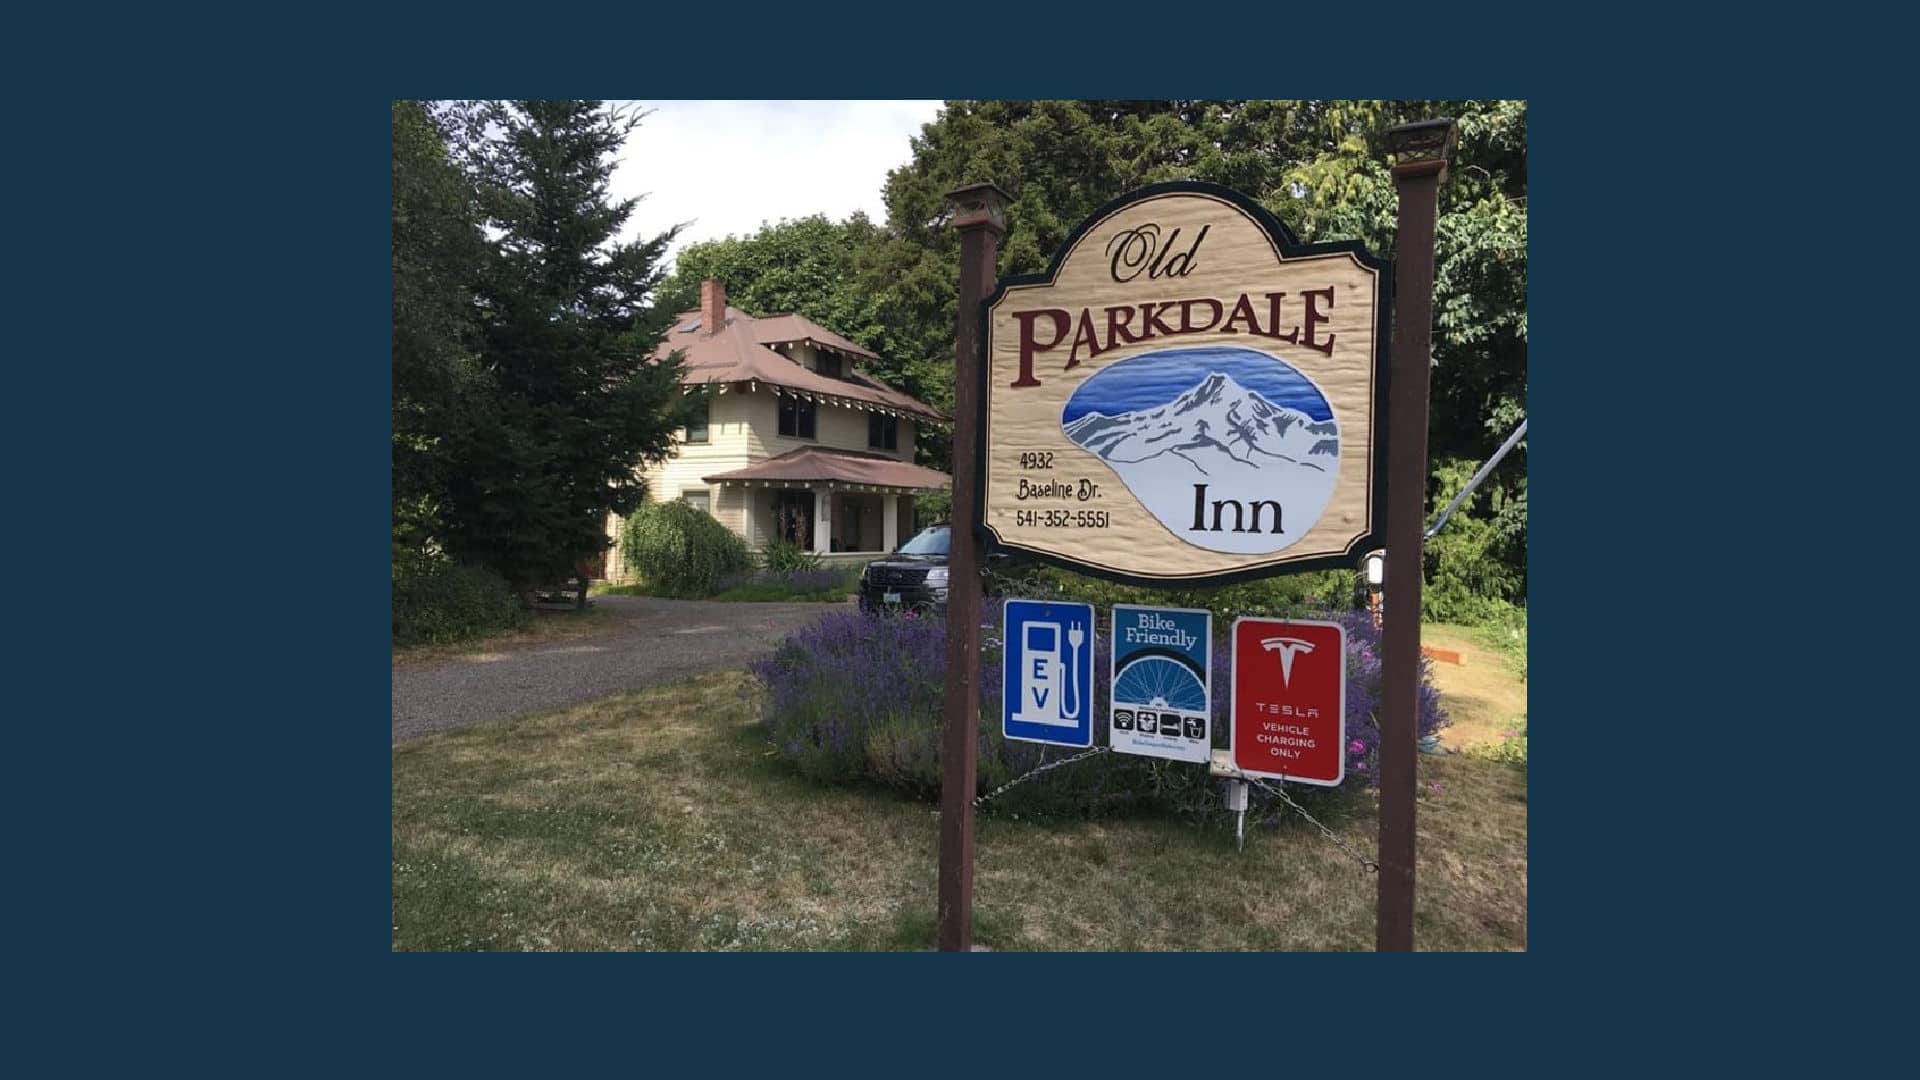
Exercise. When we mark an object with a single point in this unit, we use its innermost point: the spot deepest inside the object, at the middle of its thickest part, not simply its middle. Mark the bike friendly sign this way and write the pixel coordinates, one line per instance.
(1161, 704)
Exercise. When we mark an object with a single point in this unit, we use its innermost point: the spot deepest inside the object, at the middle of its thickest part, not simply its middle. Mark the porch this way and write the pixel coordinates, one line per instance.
(830, 519)
(834, 503)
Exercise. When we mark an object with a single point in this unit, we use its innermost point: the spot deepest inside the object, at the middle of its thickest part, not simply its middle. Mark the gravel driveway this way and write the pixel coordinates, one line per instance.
(650, 641)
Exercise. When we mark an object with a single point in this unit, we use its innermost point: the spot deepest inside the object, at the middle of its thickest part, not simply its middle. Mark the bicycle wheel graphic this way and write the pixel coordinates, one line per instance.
(1161, 682)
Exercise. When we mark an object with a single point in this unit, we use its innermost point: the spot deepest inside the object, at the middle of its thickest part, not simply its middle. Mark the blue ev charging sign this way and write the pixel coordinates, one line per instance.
(1162, 700)
(1047, 676)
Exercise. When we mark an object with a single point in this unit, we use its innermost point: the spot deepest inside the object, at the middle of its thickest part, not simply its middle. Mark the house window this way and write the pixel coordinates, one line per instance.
(827, 365)
(883, 432)
(796, 417)
(699, 500)
(697, 424)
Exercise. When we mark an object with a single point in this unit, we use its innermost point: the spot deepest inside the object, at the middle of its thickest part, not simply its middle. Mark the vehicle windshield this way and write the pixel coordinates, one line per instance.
(935, 541)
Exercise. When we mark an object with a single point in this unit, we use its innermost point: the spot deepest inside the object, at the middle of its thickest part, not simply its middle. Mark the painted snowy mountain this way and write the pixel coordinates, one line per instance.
(1216, 419)
(1239, 445)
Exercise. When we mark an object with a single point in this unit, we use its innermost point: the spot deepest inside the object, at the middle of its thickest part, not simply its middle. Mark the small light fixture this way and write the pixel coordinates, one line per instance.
(1376, 568)
(979, 204)
(1422, 147)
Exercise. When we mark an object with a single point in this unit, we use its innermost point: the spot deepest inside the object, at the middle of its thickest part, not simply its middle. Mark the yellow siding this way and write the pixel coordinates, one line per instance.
(743, 428)
(731, 442)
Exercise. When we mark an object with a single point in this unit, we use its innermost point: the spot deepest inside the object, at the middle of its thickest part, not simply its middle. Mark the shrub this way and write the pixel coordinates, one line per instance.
(1475, 566)
(783, 555)
(436, 601)
(681, 551)
(854, 697)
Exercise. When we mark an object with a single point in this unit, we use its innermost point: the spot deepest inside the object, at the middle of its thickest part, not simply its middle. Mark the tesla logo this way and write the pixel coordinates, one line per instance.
(1288, 648)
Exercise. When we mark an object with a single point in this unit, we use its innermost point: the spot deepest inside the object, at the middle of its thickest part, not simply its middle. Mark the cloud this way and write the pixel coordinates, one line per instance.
(727, 167)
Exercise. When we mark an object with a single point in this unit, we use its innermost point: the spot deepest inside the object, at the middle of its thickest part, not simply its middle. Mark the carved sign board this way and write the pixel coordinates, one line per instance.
(1187, 395)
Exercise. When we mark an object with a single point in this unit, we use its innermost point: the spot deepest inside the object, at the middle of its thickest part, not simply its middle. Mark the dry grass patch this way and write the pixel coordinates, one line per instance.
(657, 820)
(1482, 694)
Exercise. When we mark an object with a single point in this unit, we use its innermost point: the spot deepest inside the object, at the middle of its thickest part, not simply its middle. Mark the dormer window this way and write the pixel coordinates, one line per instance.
(829, 364)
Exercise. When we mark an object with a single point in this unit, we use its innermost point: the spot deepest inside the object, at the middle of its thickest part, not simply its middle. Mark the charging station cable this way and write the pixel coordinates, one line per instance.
(1075, 638)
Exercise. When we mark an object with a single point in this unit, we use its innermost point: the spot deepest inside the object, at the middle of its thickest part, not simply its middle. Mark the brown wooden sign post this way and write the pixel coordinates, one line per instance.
(979, 214)
(1420, 163)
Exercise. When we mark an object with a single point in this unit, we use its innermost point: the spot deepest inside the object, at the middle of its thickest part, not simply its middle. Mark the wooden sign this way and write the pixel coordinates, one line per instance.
(1187, 395)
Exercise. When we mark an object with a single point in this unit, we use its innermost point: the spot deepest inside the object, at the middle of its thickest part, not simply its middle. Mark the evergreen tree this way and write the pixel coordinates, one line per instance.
(437, 252)
(566, 326)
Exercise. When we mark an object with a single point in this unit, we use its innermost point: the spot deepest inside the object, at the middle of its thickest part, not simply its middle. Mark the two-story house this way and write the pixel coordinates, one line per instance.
(797, 441)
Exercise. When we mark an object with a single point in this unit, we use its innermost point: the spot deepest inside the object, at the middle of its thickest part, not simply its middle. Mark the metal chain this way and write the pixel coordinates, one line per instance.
(1031, 773)
(1366, 864)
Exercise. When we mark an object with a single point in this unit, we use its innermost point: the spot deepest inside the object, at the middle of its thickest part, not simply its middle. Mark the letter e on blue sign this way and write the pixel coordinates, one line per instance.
(1047, 679)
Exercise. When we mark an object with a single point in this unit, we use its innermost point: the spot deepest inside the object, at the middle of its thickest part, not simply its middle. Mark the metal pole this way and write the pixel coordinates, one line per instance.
(978, 214)
(1420, 164)
(1441, 521)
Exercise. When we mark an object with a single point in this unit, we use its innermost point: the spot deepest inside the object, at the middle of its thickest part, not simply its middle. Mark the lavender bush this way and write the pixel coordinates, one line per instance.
(853, 696)
(850, 696)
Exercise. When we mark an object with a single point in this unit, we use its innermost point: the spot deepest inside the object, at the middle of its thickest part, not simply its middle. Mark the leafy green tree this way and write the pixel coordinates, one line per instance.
(1480, 298)
(437, 256)
(566, 327)
(1060, 161)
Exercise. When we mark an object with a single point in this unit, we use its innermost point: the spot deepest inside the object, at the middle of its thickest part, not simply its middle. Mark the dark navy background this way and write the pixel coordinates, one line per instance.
(198, 416)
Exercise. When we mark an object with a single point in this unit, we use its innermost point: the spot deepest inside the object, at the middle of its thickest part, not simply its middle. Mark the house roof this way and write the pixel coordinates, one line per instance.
(739, 353)
(817, 464)
(778, 328)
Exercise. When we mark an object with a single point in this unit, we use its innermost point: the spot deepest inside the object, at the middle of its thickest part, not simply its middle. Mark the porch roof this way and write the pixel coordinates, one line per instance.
(825, 464)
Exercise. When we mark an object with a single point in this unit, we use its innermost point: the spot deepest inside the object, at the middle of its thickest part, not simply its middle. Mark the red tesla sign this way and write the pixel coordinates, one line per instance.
(1289, 699)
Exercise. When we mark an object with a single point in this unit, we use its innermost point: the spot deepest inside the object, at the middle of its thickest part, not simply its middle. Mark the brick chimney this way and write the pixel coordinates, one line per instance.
(713, 306)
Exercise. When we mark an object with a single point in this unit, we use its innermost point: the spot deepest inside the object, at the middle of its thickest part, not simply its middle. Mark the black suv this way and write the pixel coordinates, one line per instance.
(913, 578)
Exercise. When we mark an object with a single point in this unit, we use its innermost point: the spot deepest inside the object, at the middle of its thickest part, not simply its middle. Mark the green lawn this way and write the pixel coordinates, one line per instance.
(659, 820)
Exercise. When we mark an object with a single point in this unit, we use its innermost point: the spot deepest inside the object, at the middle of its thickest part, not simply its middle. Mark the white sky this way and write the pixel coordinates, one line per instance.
(729, 166)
